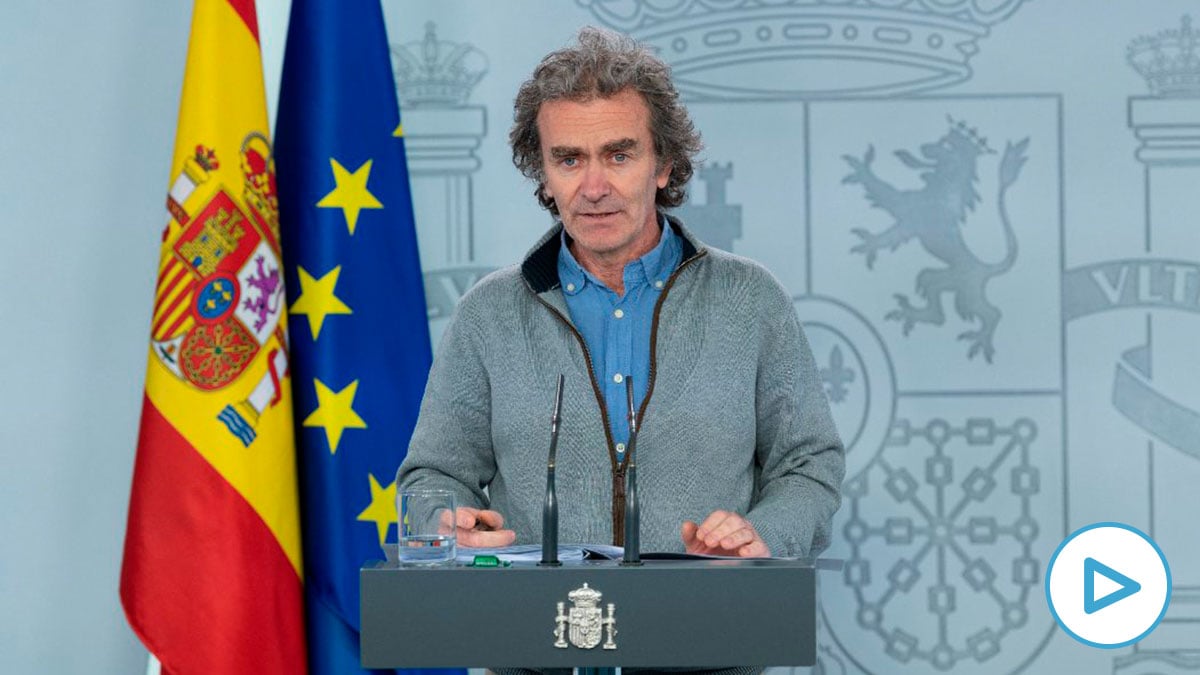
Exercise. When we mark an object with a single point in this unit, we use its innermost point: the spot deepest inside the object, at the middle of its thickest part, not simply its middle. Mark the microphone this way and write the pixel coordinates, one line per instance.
(633, 554)
(550, 509)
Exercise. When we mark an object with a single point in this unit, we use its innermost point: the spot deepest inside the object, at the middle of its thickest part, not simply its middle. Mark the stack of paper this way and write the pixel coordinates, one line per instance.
(533, 552)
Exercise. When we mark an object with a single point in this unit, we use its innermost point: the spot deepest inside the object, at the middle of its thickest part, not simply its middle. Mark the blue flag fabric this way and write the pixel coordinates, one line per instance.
(360, 349)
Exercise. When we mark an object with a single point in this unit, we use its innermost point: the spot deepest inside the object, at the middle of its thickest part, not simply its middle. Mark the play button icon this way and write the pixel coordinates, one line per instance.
(1102, 566)
(1125, 586)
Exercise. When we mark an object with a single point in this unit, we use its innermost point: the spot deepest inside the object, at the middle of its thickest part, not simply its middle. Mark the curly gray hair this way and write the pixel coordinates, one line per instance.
(602, 64)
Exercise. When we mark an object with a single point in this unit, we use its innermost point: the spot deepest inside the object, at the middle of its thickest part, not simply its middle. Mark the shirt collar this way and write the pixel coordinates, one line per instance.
(656, 265)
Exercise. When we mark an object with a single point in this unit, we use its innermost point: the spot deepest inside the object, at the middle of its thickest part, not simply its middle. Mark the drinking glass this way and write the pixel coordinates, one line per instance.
(426, 527)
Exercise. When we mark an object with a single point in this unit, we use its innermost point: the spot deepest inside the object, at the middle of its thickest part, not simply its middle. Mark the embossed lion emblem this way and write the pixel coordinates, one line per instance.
(935, 214)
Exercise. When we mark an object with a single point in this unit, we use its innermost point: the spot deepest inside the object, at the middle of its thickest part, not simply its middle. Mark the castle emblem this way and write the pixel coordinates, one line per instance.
(934, 215)
(716, 222)
(585, 620)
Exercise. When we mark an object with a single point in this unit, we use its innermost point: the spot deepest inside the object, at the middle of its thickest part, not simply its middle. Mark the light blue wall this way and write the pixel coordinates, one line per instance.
(90, 92)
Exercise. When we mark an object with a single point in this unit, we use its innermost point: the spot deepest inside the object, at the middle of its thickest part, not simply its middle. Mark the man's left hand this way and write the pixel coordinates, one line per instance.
(724, 533)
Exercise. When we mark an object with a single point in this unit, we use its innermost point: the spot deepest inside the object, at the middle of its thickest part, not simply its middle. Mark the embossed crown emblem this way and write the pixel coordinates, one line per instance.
(436, 72)
(585, 620)
(773, 49)
(970, 135)
(1169, 60)
(585, 597)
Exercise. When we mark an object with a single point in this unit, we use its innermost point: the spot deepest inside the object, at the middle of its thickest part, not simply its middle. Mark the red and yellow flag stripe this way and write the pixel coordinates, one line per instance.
(212, 575)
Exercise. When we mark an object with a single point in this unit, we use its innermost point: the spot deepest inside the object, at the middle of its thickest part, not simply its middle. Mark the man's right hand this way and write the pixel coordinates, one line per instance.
(477, 528)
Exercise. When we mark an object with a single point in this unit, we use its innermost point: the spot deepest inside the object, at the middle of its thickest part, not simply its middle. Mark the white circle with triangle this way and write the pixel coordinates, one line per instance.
(1108, 585)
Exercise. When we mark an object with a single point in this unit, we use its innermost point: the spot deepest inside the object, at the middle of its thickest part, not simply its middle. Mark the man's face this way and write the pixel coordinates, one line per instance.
(600, 171)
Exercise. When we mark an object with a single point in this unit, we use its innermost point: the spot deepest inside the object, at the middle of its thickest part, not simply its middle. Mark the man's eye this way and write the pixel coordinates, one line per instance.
(569, 161)
(620, 157)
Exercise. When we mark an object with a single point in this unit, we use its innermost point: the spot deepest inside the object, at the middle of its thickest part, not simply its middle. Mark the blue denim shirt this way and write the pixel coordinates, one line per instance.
(617, 329)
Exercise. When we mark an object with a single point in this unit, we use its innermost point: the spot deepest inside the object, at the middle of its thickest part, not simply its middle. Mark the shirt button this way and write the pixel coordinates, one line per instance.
(620, 447)
(619, 313)
(570, 287)
(658, 284)
(618, 378)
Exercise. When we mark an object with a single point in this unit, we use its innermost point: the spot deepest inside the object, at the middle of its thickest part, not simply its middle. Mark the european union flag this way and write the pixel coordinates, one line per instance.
(360, 348)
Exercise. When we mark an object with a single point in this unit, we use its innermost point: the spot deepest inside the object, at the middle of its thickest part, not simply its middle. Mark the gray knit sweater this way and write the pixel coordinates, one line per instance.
(734, 418)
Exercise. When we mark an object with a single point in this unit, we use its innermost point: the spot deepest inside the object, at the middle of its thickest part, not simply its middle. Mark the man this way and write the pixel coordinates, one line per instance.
(737, 451)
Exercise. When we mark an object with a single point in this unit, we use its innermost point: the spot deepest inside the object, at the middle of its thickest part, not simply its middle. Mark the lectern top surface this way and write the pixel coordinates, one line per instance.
(672, 563)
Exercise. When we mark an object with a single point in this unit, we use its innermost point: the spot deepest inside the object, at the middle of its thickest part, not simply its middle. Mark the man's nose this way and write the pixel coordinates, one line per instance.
(595, 183)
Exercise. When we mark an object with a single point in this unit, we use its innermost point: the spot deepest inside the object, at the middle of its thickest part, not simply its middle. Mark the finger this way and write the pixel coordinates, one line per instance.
(688, 534)
(490, 520)
(486, 539)
(715, 518)
(447, 521)
(465, 517)
(733, 523)
(738, 538)
(755, 549)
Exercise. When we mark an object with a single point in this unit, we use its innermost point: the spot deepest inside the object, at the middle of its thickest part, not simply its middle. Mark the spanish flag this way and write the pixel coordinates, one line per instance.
(212, 575)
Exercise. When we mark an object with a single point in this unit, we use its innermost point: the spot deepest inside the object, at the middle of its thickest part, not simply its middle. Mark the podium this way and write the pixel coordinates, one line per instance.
(665, 613)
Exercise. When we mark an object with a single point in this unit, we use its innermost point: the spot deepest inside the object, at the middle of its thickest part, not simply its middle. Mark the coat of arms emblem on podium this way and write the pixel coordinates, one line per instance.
(586, 621)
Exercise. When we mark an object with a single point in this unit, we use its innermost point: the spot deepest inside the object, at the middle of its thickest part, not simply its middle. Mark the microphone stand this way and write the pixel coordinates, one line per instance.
(550, 509)
(633, 554)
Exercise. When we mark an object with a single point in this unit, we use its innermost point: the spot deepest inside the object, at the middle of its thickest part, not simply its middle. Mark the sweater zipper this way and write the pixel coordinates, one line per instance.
(641, 413)
(618, 468)
(618, 534)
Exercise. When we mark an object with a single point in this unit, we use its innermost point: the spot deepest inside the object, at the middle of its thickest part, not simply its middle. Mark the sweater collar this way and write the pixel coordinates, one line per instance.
(540, 267)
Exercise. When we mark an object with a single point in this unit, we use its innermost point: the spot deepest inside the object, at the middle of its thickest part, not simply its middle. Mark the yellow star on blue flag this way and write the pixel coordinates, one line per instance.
(351, 194)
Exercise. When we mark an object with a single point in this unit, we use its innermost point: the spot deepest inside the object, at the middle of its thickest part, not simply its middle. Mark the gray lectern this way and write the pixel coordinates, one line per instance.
(664, 613)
